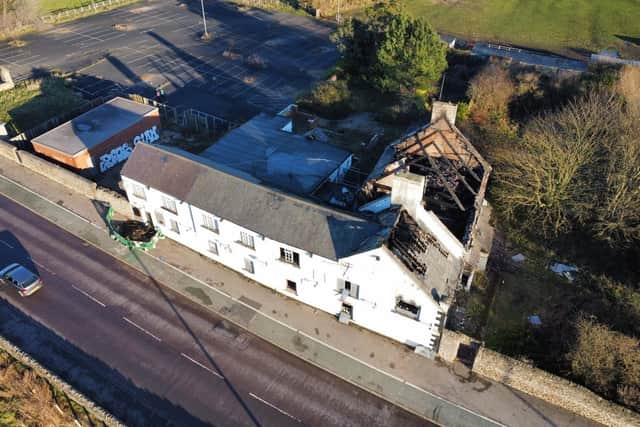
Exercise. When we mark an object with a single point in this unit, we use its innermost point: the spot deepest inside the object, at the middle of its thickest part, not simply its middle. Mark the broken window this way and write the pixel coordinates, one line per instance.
(213, 247)
(247, 240)
(210, 223)
(169, 204)
(349, 288)
(292, 286)
(159, 218)
(138, 191)
(248, 265)
(174, 226)
(407, 309)
(289, 256)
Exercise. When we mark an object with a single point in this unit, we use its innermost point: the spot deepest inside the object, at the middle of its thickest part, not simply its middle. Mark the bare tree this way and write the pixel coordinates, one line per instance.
(547, 179)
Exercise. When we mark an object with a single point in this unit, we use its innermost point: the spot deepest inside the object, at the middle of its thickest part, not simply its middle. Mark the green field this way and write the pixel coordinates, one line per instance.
(557, 25)
(49, 6)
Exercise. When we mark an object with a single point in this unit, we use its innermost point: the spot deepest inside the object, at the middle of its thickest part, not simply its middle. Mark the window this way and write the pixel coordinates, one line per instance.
(159, 218)
(346, 308)
(138, 191)
(209, 223)
(246, 240)
(136, 212)
(248, 265)
(351, 289)
(174, 226)
(213, 247)
(407, 309)
(169, 204)
(292, 286)
(289, 256)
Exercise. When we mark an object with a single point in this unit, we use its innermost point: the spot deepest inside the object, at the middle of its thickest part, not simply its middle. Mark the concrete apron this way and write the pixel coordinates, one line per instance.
(375, 381)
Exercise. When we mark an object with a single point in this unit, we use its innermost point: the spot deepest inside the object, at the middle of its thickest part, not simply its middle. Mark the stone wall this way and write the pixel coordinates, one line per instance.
(449, 344)
(553, 389)
(66, 177)
(9, 151)
(118, 202)
(57, 174)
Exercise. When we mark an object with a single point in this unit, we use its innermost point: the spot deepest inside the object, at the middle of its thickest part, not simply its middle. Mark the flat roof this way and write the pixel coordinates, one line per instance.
(94, 127)
(283, 159)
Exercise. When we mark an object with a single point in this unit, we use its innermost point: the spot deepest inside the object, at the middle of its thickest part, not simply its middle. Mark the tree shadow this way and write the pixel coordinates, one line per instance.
(628, 39)
(196, 340)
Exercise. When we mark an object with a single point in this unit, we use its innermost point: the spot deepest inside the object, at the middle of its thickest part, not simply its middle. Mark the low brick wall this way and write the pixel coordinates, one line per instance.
(9, 151)
(449, 344)
(60, 384)
(553, 389)
(57, 173)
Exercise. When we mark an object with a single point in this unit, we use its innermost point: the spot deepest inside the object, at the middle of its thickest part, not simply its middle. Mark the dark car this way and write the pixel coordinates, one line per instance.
(21, 278)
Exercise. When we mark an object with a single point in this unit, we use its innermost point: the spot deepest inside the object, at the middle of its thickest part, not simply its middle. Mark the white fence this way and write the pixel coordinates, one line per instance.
(53, 17)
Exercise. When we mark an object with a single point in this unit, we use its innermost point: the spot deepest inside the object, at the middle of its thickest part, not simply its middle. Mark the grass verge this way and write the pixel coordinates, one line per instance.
(31, 103)
(26, 399)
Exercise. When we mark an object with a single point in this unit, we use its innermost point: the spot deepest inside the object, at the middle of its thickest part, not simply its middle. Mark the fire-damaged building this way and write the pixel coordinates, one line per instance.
(388, 257)
(102, 137)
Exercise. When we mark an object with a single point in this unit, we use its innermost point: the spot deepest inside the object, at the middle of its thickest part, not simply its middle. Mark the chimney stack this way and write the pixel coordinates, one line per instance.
(407, 189)
(447, 110)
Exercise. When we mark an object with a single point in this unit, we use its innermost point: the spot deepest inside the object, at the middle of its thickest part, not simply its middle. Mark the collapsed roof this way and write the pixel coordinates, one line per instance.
(456, 174)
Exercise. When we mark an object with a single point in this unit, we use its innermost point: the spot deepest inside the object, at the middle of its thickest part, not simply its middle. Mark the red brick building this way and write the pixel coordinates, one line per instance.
(102, 137)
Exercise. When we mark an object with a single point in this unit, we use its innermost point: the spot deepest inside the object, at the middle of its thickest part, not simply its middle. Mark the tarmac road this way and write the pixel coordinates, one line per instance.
(195, 365)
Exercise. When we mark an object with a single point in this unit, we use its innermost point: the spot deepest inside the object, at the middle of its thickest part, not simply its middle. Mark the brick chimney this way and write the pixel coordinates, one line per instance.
(444, 109)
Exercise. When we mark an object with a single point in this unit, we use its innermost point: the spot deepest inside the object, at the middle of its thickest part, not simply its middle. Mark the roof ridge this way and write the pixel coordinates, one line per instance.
(220, 169)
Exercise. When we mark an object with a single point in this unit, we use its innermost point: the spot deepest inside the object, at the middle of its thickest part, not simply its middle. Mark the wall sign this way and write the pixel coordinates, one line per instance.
(122, 152)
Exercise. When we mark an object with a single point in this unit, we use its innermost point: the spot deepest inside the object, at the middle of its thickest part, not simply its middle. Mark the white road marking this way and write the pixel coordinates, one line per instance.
(89, 296)
(282, 411)
(202, 366)
(132, 323)
(6, 244)
(43, 266)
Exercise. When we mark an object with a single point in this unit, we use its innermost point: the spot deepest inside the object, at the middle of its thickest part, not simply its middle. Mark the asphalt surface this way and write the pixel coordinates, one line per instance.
(157, 42)
(184, 365)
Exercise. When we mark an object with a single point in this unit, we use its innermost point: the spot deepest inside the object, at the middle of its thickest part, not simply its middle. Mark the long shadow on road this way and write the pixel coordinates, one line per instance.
(202, 348)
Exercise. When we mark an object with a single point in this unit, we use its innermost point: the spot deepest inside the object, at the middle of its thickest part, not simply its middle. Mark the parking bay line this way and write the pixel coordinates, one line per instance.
(271, 405)
(202, 366)
(132, 323)
(97, 301)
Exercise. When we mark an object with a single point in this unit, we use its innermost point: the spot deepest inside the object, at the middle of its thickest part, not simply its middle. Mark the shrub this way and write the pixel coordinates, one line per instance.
(329, 99)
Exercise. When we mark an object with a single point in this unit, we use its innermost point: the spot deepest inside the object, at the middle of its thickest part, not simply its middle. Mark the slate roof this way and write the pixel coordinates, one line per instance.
(286, 160)
(94, 127)
(240, 198)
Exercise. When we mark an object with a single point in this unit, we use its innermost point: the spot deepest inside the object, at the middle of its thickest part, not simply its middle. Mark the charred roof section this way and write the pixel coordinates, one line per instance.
(456, 174)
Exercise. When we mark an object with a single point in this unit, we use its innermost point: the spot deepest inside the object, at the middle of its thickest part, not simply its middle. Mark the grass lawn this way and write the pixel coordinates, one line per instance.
(24, 107)
(557, 25)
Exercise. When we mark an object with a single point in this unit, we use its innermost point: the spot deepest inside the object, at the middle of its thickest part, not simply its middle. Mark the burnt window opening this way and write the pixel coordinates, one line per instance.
(407, 309)
(292, 286)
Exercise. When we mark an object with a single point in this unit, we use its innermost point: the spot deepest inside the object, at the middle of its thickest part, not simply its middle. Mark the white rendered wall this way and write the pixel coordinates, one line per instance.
(380, 277)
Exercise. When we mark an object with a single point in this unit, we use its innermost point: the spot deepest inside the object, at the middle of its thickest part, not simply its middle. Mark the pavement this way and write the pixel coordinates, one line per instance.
(157, 43)
(450, 394)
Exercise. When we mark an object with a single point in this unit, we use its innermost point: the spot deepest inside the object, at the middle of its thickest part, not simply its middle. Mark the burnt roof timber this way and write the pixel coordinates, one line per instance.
(471, 172)
(418, 140)
(444, 181)
(455, 169)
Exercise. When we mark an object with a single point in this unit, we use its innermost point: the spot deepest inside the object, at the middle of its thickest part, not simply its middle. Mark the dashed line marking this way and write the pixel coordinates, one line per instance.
(202, 366)
(97, 301)
(43, 266)
(134, 324)
(271, 405)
